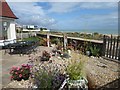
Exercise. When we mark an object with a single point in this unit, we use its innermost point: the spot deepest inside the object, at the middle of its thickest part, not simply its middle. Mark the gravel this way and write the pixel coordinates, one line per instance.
(99, 72)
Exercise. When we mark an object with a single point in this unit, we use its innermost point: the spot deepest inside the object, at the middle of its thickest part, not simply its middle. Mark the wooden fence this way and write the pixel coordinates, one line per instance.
(111, 47)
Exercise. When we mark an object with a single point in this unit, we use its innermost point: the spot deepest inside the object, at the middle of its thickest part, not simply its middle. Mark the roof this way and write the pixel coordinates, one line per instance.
(6, 11)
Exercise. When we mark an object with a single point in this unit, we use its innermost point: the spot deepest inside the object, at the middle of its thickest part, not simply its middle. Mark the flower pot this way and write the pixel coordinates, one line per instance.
(80, 84)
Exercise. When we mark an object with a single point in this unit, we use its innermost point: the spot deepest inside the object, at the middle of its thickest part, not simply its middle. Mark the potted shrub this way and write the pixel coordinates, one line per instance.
(45, 56)
(76, 74)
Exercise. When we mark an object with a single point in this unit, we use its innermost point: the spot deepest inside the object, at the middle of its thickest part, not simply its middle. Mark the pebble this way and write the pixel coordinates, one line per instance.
(100, 75)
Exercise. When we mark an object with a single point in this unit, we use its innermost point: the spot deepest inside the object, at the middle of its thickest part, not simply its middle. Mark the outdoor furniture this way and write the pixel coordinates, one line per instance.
(22, 47)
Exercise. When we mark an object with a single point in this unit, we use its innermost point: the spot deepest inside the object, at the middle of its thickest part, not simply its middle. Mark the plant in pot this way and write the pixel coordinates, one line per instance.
(75, 71)
(45, 56)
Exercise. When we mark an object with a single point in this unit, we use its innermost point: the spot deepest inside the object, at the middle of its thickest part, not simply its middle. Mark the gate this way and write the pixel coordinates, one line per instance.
(111, 47)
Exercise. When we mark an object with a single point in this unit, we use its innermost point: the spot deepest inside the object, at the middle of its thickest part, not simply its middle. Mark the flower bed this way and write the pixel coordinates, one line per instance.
(19, 73)
(52, 75)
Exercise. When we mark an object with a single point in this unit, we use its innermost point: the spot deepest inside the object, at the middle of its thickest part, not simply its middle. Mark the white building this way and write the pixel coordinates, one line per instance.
(7, 23)
(30, 28)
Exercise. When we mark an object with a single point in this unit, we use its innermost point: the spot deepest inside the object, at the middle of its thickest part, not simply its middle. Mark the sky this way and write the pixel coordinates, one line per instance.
(69, 16)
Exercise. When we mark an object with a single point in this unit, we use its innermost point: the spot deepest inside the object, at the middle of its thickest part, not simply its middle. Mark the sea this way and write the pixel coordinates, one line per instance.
(102, 31)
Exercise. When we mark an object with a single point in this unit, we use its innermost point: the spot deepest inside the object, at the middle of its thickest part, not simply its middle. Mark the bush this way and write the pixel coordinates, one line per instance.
(19, 73)
(31, 39)
(55, 41)
(43, 79)
(48, 79)
(95, 51)
(43, 42)
(75, 68)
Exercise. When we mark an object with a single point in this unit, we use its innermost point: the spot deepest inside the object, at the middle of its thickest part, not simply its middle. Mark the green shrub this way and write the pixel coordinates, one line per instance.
(95, 51)
(55, 41)
(75, 68)
(31, 39)
(43, 79)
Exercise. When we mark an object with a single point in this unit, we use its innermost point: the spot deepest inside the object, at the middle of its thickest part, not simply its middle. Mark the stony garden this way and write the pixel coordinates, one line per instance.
(57, 69)
(62, 71)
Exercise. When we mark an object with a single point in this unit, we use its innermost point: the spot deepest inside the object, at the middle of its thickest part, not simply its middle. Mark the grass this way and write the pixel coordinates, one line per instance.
(75, 68)
(31, 39)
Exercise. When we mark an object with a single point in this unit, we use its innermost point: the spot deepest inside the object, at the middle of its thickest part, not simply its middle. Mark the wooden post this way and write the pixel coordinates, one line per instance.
(119, 54)
(48, 40)
(110, 52)
(108, 41)
(113, 50)
(104, 45)
(65, 41)
(117, 48)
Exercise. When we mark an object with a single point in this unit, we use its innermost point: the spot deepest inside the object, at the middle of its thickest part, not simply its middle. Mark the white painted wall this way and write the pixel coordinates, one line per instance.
(11, 31)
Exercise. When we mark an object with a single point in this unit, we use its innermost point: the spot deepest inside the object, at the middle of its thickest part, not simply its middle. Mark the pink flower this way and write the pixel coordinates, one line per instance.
(14, 67)
(24, 65)
(18, 68)
(20, 75)
(16, 72)
(11, 77)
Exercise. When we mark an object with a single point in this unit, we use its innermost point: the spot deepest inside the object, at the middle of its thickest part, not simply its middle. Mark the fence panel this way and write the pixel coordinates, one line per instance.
(111, 47)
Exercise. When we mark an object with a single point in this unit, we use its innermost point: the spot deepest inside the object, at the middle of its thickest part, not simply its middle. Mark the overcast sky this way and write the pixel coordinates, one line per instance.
(68, 15)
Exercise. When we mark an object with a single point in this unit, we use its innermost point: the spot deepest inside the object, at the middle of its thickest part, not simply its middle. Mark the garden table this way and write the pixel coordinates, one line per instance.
(20, 46)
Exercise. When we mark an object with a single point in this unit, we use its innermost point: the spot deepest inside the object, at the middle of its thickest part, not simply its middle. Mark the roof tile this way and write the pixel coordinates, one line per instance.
(5, 10)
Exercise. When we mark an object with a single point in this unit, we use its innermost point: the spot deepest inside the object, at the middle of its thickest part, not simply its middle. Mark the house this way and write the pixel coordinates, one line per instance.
(30, 28)
(7, 23)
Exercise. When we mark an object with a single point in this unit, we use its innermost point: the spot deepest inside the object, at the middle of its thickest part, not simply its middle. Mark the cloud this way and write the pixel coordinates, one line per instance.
(64, 0)
(31, 13)
(106, 21)
(64, 7)
(98, 5)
